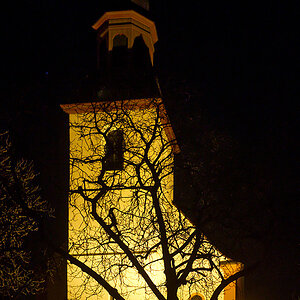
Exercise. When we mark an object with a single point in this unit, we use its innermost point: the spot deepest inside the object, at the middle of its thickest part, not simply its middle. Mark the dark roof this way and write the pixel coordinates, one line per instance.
(114, 5)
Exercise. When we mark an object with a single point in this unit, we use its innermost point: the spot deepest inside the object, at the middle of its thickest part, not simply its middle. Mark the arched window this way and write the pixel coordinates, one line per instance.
(113, 159)
(120, 40)
(196, 297)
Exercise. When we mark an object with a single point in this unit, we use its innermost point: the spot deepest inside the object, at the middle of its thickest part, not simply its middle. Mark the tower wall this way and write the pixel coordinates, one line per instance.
(128, 195)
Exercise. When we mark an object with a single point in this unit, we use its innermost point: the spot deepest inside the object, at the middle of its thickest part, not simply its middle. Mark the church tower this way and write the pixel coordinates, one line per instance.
(126, 237)
(121, 153)
(125, 55)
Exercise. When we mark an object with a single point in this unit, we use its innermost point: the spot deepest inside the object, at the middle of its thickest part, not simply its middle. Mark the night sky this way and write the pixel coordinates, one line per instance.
(234, 60)
(239, 56)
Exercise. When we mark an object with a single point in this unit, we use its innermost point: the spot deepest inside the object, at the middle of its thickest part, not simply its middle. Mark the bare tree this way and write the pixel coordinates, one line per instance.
(22, 272)
(125, 233)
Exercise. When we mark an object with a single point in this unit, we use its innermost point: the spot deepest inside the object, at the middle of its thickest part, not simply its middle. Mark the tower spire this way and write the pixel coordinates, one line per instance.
(142, 3)
(128, 23)
(126, 42)
(125, 55)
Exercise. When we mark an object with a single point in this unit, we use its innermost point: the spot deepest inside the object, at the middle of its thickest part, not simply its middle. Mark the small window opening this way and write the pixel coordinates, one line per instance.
(114, 158)
(120, 40)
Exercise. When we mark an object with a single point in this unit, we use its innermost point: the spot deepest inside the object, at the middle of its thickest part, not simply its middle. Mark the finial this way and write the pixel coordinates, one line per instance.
(142, 3)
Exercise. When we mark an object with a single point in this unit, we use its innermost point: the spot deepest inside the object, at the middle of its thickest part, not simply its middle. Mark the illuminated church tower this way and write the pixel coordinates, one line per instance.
(122, 222)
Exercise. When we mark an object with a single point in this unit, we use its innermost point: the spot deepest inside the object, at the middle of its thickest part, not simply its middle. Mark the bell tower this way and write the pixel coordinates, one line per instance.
(125, 53)
(119, 121)
(121, 28)
(123, 227)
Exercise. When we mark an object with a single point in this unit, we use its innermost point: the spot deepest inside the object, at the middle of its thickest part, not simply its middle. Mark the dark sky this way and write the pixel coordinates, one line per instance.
(235, 59)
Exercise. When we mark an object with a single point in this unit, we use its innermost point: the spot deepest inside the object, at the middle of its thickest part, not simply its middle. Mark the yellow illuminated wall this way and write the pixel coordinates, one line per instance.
(148, 141)
(234, 290)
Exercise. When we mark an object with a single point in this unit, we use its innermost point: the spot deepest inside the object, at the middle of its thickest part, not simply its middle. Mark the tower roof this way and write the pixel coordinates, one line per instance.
(125, 54)
(141, 6)
(130, 23)
(128, 14)
(142, 3)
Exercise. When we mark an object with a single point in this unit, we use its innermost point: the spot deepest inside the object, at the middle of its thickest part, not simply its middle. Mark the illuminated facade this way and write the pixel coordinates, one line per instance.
(121, 191)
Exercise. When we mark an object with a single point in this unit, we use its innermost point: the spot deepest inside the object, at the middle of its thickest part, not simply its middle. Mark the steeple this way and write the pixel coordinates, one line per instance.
(141, 6)
(121, 28)
(142, 3)
(125, 57)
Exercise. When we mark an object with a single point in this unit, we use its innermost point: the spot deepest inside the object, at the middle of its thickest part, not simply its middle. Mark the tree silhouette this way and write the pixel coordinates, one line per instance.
(22, 210)
(125, 233)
